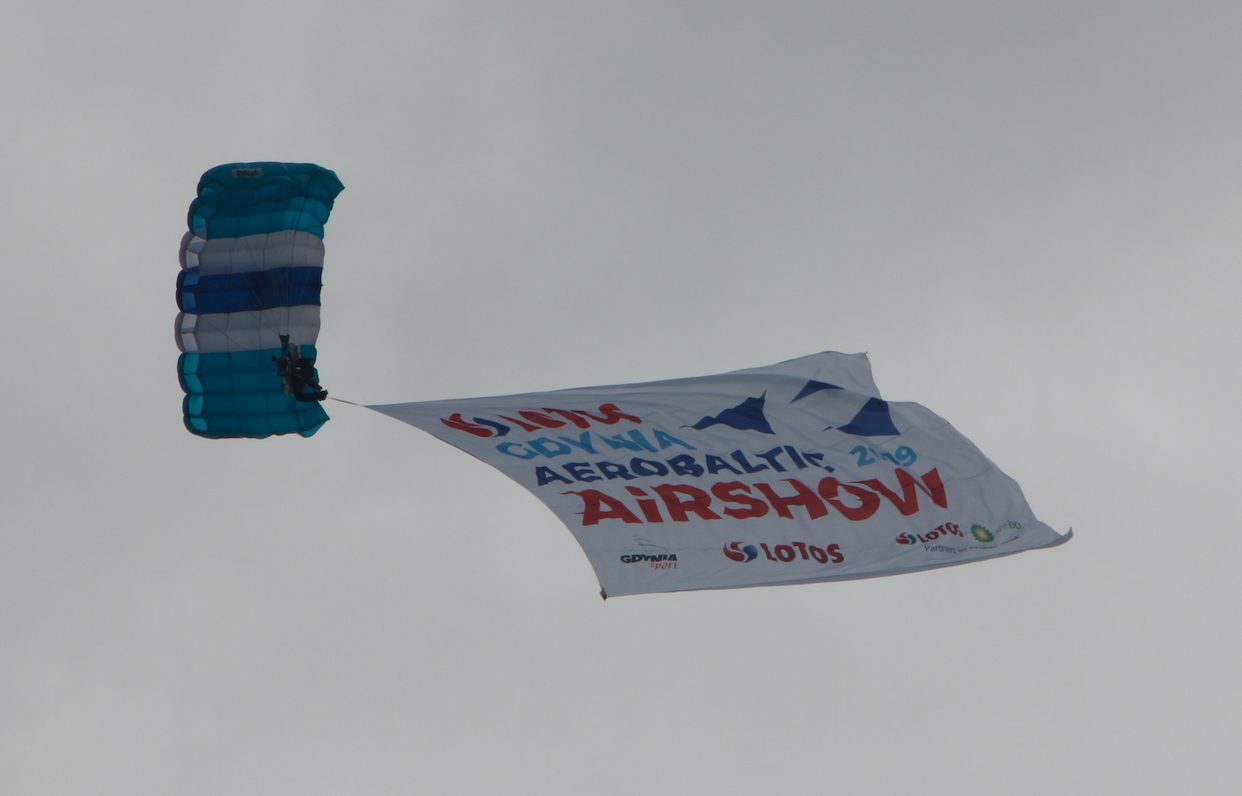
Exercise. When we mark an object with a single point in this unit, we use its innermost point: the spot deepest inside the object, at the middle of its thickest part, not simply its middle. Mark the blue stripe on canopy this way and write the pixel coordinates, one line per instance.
(248, 290)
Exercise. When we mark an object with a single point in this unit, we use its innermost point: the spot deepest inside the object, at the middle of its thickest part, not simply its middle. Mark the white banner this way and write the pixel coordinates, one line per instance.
(793, 473)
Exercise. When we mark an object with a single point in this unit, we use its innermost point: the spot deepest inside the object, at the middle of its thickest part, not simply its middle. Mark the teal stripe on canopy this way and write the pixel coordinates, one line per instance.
(241, 371)
(239, 395)
(305, 420)
(239, 199)
(305, 219)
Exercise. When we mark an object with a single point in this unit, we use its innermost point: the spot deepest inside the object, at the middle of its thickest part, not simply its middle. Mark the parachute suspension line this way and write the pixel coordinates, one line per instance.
(256, 261)
(287, 310)
(292, 255)
(255, 264)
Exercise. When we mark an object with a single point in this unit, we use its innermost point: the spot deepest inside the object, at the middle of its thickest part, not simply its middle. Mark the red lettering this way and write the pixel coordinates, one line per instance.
(784, 552)
(727, 491)
(767, 552)
(834, 552)
(908, 503)
(594, 503)
(611, 415)
(570, 416)
(542, 420)
(698, 503)
(801, 549)
(934, 487)
(870, 500)
(455, 421)
(819, 555)
(805, 498)
(649, 508)
(526, 426)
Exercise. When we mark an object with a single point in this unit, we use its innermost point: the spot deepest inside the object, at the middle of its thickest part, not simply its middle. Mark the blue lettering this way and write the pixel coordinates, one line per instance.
(616, 441)
(546, 475)
(638, 437)
(647, 467)
(581, 471)
(740, 458)
(793, 454)
(816, 459)
(771, 455)
(668, 439)
(715, 464)
(542, 444)
(612, 471)
(584, 442)
(683, 464)
(505, 446)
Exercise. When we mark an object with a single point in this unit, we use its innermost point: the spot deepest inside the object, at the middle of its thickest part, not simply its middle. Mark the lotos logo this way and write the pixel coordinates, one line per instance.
(945, 530)
(609, 414)
(742, 554)
(785, 553)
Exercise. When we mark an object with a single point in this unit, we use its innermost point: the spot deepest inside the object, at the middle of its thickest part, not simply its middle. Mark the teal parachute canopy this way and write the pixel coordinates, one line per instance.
(251, 273)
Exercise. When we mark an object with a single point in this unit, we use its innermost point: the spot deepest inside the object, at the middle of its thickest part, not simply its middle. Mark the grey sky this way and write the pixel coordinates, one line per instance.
(1027, 213)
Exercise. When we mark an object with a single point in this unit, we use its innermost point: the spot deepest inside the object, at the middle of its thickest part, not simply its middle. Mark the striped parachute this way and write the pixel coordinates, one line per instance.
(251, 268)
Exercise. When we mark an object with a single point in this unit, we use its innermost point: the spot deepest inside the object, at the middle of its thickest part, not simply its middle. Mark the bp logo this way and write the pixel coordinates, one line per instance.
(981, 533)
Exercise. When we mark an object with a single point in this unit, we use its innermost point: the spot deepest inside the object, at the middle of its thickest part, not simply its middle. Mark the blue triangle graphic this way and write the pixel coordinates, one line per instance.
(873, 420)
(746, 416)
(813, 386)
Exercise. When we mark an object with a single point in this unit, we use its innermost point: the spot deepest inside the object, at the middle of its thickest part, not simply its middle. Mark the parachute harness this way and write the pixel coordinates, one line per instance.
(297, 373)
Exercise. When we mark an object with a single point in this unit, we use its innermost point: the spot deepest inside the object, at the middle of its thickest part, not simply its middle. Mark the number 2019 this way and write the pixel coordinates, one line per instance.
(902, 457)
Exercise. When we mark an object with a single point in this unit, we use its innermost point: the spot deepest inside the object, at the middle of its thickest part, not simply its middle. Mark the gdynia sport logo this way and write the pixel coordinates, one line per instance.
(658, 557)
(744, 553)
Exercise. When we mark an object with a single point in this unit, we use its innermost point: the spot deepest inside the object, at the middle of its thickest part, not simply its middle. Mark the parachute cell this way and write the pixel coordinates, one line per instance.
(248, 292)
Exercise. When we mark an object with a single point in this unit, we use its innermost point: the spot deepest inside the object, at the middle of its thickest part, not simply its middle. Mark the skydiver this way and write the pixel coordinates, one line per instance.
(301, 378)
(297, 373)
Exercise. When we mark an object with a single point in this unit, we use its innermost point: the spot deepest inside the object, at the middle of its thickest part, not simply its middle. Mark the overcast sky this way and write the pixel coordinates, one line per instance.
(1027, 213)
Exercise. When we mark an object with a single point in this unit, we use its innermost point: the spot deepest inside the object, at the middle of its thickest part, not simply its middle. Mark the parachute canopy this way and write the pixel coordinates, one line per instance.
(251, 272)
(794, 473)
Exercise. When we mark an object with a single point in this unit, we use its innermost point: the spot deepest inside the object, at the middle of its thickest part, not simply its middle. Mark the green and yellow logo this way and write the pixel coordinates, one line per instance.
(981, 533)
